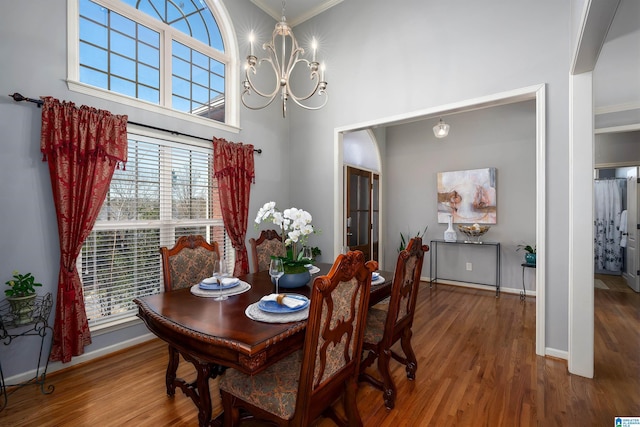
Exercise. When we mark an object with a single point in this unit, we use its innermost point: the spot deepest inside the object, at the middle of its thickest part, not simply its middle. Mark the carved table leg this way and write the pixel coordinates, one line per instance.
(172, 368)
(198, 391)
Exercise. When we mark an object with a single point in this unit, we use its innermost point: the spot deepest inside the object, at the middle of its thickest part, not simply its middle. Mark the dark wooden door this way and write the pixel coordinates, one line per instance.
(362, 211)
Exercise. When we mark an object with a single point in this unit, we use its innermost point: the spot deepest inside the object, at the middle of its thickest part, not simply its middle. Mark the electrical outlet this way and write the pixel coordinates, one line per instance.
(469, 266)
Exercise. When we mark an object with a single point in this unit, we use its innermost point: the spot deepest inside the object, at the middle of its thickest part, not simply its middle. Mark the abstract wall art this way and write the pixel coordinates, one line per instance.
(469, 196)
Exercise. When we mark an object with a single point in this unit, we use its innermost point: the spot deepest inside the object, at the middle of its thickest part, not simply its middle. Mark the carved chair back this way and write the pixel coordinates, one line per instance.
(333, 340)
(188, 262)
(268, 244)
(386, 328)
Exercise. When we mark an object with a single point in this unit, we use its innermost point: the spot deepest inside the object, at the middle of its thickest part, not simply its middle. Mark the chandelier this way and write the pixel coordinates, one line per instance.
(282, 42)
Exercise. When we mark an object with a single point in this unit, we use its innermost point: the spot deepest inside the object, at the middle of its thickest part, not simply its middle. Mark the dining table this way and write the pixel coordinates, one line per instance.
(214, 335)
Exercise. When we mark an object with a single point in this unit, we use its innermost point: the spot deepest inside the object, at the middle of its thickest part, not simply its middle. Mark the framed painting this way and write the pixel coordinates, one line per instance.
(469, 196)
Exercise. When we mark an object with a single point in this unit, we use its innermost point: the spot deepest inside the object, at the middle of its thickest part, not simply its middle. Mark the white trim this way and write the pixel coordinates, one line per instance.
(488, 288)
(629, 106)
(559, 354)
(617, 165)
(581, 267)
(618, 129)
(541, 224)
(297, 19)
(77, 86)
(86, 357)
(537, 92)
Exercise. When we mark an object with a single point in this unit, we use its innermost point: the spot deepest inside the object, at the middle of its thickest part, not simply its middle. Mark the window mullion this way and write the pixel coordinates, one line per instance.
(167, 228)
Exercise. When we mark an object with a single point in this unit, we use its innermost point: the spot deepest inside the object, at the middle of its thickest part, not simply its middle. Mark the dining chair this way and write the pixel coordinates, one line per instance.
(301, 387)
(385, 327)
(188, 262)
(268, 243)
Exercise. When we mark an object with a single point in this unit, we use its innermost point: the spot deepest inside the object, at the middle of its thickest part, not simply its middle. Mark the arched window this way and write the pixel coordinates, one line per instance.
(169, 54)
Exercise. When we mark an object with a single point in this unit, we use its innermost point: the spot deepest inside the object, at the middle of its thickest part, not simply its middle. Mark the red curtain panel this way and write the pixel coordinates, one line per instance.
(234, 170)
(82, 146)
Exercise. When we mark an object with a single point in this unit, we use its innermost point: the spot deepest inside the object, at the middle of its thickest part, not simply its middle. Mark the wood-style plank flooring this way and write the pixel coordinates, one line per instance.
(476, 367)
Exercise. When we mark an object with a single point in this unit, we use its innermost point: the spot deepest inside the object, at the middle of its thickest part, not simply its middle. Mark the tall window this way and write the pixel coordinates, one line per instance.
(166, 191)
(165, 53)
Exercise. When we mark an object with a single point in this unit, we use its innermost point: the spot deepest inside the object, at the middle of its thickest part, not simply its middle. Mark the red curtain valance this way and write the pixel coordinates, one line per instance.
(86, 130)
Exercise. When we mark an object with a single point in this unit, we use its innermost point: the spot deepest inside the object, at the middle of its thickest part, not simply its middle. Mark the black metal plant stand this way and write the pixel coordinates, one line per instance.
(35, 324)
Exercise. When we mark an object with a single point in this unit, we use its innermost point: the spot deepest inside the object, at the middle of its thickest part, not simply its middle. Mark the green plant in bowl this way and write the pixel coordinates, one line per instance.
(21, 285)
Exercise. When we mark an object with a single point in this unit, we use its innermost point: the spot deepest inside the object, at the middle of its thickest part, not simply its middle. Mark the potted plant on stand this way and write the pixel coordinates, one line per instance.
(296, 228)
(530, 253)
(21, 296)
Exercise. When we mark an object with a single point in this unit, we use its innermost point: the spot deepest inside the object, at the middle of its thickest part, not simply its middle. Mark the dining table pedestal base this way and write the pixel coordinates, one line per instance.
(198, 391)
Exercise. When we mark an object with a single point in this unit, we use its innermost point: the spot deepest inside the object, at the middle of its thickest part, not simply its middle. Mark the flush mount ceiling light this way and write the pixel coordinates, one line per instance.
(441, 129)
(282, 42)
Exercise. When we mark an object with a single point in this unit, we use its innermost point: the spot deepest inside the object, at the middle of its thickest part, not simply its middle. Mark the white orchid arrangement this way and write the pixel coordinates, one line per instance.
(295, 225)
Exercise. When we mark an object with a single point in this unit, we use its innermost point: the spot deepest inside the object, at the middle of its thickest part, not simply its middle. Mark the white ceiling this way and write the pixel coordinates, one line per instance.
(296, 11)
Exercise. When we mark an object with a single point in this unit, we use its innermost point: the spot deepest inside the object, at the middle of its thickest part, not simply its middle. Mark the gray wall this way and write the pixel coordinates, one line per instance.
(33, 62)
(383, 58)
(500, 137)
(621, 147)
(389, 58)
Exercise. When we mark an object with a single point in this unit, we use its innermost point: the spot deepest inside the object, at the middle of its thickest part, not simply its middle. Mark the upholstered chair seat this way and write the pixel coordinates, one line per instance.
(274, 390)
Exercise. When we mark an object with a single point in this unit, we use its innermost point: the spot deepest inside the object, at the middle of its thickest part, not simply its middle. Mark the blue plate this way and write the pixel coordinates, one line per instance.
(274, 307)
(217, 287)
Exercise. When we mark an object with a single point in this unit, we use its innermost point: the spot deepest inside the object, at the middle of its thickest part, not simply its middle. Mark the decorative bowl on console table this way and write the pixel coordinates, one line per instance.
(473, 232)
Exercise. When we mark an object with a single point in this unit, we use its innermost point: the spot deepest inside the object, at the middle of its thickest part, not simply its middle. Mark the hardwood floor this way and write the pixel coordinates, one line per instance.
(476, 367)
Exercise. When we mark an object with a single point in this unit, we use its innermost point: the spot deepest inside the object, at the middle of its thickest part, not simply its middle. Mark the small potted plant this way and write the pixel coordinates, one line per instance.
(404, 240)
(530, 253)
(21, 296)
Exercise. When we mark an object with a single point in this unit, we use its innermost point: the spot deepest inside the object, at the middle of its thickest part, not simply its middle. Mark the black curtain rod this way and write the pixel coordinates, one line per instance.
(18, 97)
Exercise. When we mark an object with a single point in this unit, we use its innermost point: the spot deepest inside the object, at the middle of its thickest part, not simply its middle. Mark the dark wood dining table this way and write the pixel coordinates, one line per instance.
(215, 335)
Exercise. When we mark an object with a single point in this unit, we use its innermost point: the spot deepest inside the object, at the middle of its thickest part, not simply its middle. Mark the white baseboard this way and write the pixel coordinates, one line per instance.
(57, 366)
(492, 288)
(553, 352)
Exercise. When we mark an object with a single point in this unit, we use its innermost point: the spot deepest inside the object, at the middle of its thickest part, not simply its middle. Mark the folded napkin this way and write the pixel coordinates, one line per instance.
(210, 281)
(228, 281)
(375, 276)
(282, 299)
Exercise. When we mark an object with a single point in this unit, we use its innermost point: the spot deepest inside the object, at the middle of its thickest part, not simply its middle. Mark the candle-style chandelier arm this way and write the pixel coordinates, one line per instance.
(283, 65)
(251, 69)
(319, 87)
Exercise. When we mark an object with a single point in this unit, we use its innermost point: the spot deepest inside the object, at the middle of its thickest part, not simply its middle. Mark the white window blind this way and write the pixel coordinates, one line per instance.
(166, 191)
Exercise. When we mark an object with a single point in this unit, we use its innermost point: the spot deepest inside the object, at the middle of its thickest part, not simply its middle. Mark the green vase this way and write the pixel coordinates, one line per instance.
(530, 258)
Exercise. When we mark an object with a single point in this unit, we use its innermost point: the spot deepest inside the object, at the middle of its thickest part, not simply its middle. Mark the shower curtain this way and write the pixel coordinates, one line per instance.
(608, 207)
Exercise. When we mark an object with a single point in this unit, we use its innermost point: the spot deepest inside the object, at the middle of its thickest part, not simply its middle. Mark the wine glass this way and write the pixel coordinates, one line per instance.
(219, 273)
(276, 270)
(307, 253)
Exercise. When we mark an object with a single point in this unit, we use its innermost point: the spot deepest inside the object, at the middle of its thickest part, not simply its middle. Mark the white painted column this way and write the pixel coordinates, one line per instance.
(581, 163)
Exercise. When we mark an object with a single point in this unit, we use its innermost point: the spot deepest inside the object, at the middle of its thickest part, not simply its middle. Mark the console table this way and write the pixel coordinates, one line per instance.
(36, 324)
(433, 259)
